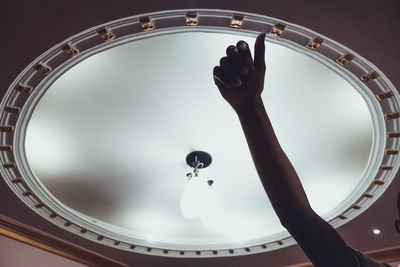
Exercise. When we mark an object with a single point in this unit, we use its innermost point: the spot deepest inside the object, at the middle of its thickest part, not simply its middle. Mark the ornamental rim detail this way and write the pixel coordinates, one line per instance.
(24, 93)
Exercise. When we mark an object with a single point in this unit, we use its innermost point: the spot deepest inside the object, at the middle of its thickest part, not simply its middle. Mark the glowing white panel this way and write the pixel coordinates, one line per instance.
(117, 127)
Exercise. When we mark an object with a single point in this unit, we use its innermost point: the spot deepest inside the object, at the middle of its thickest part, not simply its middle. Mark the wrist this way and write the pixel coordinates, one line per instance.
(250, 106)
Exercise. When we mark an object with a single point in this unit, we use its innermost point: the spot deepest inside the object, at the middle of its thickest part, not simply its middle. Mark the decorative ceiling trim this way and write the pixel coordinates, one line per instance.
(25, 92)
(33, 237)
(388, 255)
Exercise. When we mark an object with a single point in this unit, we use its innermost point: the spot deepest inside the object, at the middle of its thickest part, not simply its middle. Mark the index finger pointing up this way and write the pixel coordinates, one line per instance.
(259, 52)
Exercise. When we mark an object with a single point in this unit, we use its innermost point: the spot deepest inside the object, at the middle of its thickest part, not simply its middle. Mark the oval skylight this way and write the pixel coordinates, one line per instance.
(102, 139)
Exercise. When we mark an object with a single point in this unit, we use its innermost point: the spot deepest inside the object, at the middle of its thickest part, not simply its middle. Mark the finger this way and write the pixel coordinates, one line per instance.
(233, 54)
(219, 79)
(245, 54)
(259, 52)
(231, 74)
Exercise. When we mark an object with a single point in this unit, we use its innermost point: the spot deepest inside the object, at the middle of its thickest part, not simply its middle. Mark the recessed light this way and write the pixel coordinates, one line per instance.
(376, 231)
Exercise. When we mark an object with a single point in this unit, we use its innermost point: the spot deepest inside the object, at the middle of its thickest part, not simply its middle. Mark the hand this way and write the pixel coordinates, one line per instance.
(240, 79)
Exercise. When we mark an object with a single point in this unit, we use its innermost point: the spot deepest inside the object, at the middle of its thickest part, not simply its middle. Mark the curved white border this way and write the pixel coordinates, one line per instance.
(112, 233)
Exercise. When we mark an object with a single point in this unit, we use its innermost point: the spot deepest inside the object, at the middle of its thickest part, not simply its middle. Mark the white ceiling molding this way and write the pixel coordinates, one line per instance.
(30, 86)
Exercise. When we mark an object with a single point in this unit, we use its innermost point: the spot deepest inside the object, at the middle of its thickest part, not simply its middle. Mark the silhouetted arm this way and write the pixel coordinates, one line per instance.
(241, 81)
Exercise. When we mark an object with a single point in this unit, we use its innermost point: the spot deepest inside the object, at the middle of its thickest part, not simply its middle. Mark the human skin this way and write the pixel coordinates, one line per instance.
(240, 80)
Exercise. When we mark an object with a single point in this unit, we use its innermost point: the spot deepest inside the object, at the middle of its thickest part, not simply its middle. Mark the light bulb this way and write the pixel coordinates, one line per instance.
(211, 210)
(193, 197)
(376, 231)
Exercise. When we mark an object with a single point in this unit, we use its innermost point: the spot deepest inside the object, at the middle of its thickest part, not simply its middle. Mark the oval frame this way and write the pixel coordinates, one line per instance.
(25, 92)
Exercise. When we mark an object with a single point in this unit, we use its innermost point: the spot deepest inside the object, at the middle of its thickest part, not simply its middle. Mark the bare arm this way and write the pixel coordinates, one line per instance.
(241, 81)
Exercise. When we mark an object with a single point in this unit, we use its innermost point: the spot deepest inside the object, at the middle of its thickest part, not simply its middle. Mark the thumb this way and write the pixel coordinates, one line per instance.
(259, 52)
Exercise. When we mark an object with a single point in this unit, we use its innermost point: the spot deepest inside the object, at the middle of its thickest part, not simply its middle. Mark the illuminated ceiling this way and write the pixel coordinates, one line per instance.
(109, 143)
(217, 179)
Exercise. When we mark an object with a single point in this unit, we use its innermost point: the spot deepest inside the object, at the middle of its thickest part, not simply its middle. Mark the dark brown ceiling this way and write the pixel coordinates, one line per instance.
(371, 28)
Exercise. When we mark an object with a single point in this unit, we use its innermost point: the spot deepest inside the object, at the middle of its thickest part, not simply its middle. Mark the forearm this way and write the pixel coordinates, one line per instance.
(322, 244)
(277, 174)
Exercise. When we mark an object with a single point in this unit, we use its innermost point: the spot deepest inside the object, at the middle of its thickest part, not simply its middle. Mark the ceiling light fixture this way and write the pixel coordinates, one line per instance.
(376, 231)
(199, 198)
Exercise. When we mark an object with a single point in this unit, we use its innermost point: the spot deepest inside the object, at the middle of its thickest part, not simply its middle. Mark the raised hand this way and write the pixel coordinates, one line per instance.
(240, 79)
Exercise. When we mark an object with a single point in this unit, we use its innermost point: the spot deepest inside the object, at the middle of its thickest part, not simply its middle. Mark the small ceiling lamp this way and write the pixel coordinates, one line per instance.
(199, 198)
(376, 231)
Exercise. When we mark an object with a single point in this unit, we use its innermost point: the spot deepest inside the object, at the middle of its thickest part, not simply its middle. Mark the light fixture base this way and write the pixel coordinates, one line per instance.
(195, 157)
